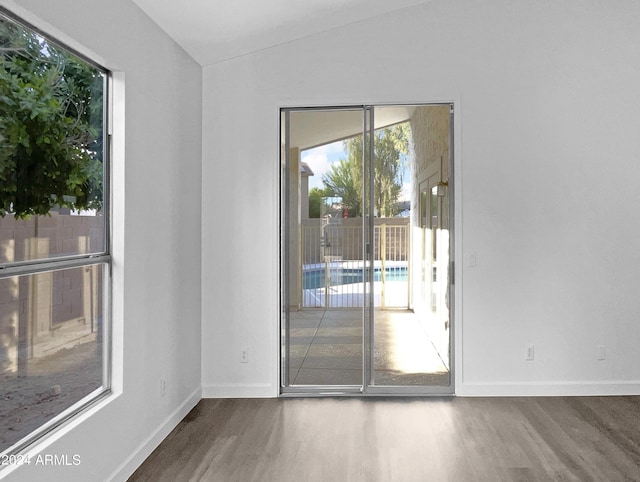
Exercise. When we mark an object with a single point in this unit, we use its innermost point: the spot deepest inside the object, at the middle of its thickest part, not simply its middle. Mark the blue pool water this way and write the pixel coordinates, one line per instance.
(343, 276)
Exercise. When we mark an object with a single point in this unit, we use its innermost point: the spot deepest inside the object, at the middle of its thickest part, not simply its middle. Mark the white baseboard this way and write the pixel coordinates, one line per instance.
(129, 466)
(546, 389)
(533, 389)
(239, 391)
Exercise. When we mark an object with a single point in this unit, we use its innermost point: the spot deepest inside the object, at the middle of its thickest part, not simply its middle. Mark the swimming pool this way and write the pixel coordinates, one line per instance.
(315, 278)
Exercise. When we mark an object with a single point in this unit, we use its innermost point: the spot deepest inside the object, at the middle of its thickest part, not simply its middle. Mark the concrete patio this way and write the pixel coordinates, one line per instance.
(326, 349)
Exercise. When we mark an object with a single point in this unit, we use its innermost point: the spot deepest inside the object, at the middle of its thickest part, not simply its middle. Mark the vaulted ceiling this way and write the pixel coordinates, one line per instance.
(212, 31)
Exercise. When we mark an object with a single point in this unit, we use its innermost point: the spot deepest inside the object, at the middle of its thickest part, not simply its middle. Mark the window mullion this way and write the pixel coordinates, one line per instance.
(42, 266)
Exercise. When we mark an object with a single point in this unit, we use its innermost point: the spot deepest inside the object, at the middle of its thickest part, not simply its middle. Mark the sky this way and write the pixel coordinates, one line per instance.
(320, 159)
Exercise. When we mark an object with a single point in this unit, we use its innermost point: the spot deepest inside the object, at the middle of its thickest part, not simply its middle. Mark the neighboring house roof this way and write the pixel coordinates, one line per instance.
(305, 170)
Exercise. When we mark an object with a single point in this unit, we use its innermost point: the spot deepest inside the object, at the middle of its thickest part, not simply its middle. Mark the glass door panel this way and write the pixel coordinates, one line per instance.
(411, 257)
(324, 279)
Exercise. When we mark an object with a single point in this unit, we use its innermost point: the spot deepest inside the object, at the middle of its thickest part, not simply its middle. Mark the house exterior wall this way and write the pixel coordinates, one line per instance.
(430, 128)
(431, 144)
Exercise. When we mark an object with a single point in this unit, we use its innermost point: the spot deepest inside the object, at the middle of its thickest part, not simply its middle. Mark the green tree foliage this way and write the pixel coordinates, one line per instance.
(391, 145)
(51, 115)
(316, 196)
(344, 180)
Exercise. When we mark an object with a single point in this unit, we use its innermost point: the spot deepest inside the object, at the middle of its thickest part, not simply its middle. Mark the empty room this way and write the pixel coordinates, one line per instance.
(326, 240)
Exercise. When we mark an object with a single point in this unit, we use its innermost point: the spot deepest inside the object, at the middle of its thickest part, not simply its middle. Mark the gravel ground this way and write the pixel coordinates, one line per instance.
(52, 384)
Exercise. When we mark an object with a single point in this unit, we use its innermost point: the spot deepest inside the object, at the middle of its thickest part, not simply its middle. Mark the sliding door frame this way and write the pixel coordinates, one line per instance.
(367, 388)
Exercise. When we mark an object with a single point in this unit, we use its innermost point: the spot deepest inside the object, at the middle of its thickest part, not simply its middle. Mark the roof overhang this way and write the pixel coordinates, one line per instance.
(312, 128)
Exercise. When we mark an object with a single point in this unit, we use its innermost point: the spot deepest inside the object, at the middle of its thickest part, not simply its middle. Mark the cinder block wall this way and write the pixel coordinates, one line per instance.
(44, 312)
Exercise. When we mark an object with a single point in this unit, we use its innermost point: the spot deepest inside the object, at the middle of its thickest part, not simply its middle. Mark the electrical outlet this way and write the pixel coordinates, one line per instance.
(163, 387)
(602, 352)
(244, 355)
(529, 353)
(471, 259)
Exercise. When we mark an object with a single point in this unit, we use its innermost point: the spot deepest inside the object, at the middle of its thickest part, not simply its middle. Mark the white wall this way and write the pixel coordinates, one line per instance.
(156, 268)
(546, 184)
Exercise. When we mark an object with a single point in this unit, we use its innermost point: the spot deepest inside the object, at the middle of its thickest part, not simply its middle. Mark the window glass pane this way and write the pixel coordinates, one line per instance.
(51, 346)
(52, 175)
(51, 149)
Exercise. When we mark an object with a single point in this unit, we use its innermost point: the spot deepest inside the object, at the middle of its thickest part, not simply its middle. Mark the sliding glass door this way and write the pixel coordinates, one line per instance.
(324, 276)
(358, 313)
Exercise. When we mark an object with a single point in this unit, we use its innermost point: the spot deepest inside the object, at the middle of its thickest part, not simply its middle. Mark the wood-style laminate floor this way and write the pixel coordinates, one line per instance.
(408, 439)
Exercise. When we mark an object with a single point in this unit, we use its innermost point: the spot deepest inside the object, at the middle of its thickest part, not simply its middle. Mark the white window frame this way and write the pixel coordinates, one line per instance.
(53, 264)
